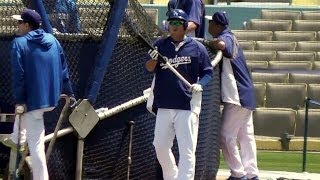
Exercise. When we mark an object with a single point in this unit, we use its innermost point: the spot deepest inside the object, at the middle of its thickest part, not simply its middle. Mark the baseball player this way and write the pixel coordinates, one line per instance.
(40, 75)
(196, 13)
(237, 94)
(177, 107)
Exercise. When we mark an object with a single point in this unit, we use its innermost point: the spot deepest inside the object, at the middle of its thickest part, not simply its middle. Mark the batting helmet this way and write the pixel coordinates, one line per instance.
(180, 15)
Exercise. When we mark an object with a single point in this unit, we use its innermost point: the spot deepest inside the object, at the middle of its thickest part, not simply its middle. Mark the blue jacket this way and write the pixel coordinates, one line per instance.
(240, 73)
(39, 70)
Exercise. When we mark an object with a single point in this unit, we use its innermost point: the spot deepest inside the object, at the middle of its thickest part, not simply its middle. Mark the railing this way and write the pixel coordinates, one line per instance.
(306, 123)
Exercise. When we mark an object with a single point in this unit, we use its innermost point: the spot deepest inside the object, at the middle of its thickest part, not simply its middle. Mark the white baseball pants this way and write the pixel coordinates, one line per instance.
(32, 130)
(237, 125)
(184, 124)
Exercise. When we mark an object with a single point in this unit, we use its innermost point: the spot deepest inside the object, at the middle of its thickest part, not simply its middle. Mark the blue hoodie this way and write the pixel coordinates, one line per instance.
(39, 70)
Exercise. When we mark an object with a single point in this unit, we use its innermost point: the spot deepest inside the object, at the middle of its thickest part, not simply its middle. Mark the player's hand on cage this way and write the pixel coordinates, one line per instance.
(20, 108)
(73, 101)
(196, 88)
(153, 54)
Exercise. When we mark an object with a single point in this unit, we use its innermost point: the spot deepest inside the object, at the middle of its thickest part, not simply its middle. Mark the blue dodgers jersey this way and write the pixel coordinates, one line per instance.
(191, 60)
(244, 84)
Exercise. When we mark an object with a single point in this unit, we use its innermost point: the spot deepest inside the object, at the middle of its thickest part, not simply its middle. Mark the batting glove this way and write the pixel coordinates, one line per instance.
(196, 88)
(153, 54)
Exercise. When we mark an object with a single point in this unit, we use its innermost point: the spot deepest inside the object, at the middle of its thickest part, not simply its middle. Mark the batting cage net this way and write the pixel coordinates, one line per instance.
(85, 30)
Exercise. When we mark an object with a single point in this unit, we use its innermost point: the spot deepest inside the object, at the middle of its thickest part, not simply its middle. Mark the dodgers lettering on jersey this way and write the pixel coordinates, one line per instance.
(176, 61)
(191, 60)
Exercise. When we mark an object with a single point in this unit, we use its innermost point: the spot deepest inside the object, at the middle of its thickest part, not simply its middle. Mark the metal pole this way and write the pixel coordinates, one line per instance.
(80, 148)
(305, 136)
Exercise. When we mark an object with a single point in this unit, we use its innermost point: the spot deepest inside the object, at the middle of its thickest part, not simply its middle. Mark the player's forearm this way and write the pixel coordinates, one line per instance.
(191, 27)
(151, 65)
(217, 44)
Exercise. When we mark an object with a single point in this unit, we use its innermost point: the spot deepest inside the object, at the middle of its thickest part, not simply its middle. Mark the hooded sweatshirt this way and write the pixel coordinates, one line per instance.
(39, 70)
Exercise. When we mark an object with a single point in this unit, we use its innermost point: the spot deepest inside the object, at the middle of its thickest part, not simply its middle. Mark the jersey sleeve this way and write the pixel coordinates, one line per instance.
(18, 78)
(229, 46)
(195, 13)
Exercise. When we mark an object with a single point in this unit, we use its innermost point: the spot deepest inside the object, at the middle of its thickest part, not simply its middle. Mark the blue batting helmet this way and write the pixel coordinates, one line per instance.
(178, 14)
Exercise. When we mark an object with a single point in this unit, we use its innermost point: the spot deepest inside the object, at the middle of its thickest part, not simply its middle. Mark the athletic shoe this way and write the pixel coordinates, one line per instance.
(9, 143)
(255, 178)
(235, 178)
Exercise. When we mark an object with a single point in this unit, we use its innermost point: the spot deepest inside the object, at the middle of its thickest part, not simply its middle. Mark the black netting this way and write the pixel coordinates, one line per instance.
(80, 27)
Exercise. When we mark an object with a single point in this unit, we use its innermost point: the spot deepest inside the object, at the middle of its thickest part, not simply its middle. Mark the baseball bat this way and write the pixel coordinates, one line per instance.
(163, 60)
(61, 118)
(19, 112)
(131, 123)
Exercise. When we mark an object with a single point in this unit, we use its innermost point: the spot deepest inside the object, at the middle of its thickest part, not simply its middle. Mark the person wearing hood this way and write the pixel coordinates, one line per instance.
(237, 95)
(39, 76)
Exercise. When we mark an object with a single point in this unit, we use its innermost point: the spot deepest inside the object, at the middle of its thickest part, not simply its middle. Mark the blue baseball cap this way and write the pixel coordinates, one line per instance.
(220, 18)
(28, 15)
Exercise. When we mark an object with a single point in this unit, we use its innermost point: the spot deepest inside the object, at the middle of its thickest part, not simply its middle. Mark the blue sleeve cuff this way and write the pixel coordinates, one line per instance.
(205, 80)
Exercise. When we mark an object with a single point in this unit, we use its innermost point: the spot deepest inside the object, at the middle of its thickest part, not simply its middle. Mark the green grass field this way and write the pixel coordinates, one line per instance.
(284, 161)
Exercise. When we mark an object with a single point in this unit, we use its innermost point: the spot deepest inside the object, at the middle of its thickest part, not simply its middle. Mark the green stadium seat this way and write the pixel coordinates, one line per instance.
(313, 123)
(270, 77)
(286, 95)
(296, 56)
(276, 45)
(280, 14)
(314, 94)
(295, 35)
(247, 45)
(306, 25)
(253, 35)
(274, 121)
(269, 25)
(260, 55)
(308, 46)
(316, 65)
(257, 64)
(260, 93)
(291, 65)
(304, 77)
(310, 15)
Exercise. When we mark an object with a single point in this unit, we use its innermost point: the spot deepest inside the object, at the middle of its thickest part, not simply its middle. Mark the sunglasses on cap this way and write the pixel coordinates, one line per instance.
(176, 23)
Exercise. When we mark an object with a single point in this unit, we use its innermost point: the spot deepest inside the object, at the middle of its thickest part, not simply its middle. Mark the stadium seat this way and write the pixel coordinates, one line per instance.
(260, 93)
(280, 14)
(316, 65)
(270, 77)
(291, 65)
(304, 77)
(317, 56)
(274, 121)
(276, 45)
(295, 35)
(260, 55)
(310, 15)
(269, 25)
(253, 35)
(314, 94)
(296, 56)
(257, 65)
(247, 45)
(277, 95)
(308, 46)
(313, 123)
(306, 25)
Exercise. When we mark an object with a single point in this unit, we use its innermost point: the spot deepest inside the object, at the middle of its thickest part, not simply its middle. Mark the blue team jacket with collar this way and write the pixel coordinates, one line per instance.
(191, 60)
(39, 70)
(244, 85)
